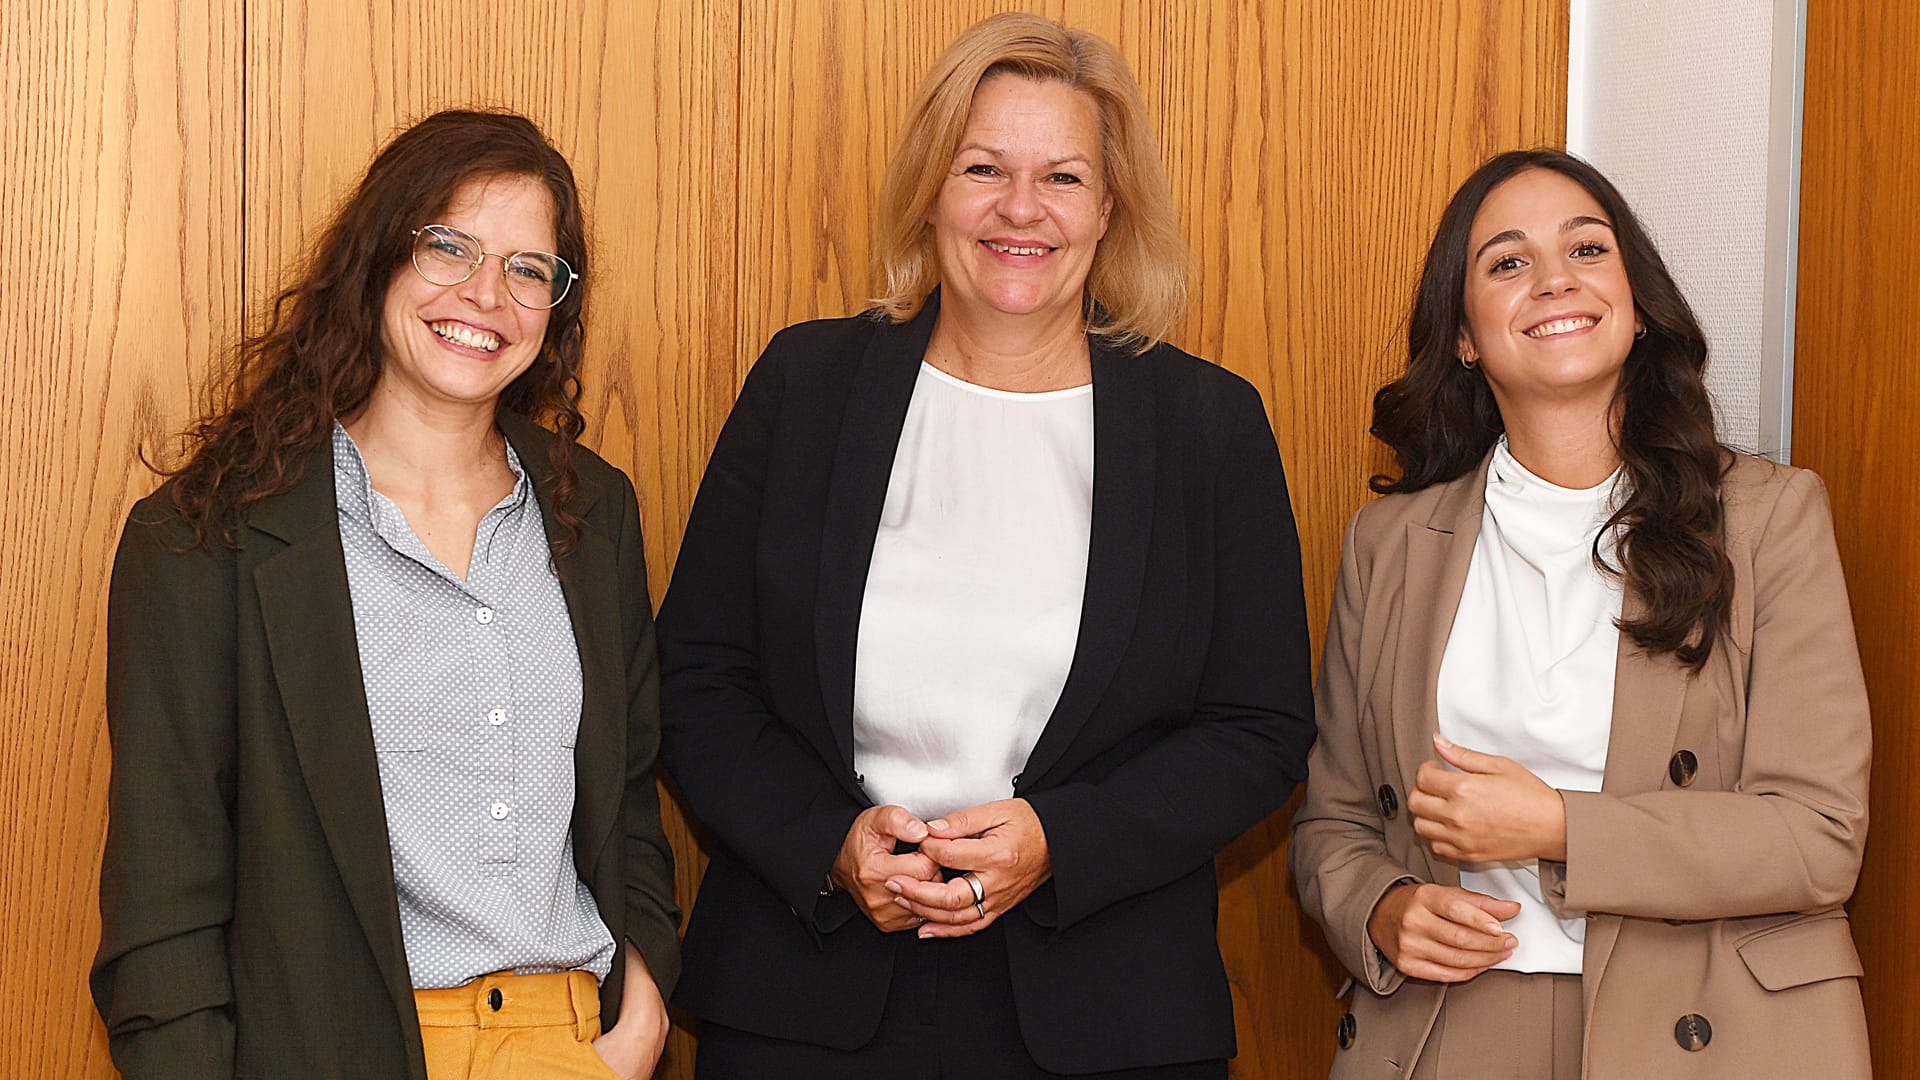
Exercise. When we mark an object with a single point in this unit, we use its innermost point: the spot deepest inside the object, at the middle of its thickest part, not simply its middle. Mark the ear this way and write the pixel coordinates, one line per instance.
(1463, 348)
(1106, 212)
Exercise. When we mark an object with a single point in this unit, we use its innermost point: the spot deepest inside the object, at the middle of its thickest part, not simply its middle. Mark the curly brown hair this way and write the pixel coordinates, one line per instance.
(1440, 418)
(318, 355)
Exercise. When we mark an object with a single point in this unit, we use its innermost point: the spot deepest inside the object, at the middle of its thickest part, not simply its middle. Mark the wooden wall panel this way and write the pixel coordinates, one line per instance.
(120, 207)
(1311, 146)
(1856, 420)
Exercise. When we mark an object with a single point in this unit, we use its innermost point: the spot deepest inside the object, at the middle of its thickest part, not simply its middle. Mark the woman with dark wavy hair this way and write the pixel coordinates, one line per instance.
(1591, 787)
(380, 674)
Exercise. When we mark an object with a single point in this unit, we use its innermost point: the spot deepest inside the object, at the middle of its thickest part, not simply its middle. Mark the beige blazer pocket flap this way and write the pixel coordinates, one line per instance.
(1802, 952)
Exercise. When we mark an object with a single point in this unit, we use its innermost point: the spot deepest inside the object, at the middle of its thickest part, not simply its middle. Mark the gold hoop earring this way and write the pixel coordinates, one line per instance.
(1640, 333)
(1469, 364)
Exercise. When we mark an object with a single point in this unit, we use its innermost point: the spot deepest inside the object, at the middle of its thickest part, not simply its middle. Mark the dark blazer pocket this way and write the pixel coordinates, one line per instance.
(1804, 951)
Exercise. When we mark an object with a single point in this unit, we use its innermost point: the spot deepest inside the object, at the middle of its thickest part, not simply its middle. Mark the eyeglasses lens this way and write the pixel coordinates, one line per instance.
(445, 256)
(537, 279)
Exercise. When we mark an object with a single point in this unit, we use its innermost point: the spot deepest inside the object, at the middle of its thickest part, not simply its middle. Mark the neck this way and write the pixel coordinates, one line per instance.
(425, 440)
(1024, 354)
(1571, 447)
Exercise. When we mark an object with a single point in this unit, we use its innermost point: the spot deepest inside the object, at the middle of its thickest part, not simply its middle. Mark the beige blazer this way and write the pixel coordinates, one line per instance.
(1713, 864)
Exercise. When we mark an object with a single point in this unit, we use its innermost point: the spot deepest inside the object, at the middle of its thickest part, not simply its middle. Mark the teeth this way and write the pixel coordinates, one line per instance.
(460, 334)
(1561, 326)
(1004, 249)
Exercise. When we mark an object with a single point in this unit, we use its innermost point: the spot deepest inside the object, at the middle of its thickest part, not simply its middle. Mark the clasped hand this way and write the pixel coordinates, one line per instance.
(1492, 809)
(999, 844)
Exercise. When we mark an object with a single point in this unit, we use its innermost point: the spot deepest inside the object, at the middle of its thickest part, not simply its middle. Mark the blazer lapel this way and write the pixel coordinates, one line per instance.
(876, 411)
(1439, 553)
(587, 574)
(1124, 442)
(308, 616)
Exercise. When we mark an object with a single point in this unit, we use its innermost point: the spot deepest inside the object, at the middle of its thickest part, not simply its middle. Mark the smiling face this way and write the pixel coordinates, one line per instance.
(1549, 311)
(1024, 204)
(463, 344)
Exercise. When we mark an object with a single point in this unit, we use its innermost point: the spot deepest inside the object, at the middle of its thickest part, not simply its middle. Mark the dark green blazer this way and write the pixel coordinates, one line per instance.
(250, 925)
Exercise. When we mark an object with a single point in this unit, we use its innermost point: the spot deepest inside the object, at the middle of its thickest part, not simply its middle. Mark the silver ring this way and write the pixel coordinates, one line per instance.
(979, 891)
(981, 908)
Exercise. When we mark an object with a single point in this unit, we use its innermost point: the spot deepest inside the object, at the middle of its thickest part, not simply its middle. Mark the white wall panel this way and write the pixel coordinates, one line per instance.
(1692, 108)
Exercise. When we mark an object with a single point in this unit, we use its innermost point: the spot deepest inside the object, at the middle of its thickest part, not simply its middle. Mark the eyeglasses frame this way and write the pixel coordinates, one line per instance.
(505, 260)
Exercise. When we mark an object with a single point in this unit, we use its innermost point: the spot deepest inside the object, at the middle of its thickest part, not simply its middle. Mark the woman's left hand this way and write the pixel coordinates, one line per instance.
(1000, 844)
(1492, 810)
(632, 1046)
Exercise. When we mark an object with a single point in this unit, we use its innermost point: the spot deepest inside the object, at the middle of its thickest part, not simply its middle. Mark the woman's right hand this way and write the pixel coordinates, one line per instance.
(866, 861)
(1441, 933)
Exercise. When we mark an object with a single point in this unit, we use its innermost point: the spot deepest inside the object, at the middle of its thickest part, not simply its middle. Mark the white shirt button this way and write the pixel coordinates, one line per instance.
(483, 616)
(496, 717)
(499, 811)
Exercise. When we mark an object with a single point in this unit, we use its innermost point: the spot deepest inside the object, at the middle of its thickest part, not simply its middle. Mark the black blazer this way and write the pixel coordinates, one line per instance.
(1186, 716)
(250, 924)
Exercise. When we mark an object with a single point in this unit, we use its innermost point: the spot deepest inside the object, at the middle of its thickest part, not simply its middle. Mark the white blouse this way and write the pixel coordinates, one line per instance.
(972, 605)
(1528, 670)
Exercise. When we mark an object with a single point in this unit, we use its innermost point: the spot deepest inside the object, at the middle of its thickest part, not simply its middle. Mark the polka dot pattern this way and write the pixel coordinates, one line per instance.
(473, 690)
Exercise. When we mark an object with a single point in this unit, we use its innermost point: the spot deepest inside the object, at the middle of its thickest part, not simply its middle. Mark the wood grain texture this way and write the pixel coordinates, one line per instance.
(1856, 421)
(120, 204)
(1311, 146)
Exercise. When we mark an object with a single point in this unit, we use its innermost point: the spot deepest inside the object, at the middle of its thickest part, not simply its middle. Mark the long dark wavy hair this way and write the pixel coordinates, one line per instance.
(317, 357)
(1440, 418)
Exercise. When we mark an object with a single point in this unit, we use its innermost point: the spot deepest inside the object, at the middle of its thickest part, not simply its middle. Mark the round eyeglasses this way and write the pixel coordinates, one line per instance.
(446, 256)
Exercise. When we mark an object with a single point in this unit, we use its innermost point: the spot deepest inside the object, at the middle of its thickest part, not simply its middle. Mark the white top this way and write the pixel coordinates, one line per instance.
(972, 607)
(1528, 671)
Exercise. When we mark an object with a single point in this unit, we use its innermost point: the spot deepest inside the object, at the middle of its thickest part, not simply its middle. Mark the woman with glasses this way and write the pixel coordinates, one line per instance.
(381, 680)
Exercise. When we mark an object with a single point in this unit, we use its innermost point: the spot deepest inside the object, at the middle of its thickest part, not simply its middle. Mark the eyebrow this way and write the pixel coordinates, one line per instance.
(1071, 159)
(1566, 226)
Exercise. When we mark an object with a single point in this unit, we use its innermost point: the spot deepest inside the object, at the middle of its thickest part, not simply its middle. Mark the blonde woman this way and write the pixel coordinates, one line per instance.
(987, 630)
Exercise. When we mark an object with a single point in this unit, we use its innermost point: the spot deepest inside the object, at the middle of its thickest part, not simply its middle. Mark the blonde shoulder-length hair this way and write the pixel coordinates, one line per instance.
(1137, 285)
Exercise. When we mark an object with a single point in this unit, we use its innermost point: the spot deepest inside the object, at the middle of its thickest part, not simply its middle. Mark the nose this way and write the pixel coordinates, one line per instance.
(1553, 277)
(486, 286)
(1020, 203)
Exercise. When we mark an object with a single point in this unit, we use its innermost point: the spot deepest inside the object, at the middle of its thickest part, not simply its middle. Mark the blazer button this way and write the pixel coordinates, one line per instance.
(1692, 1032)
(1389, 802)
(1346, 1031)
(1683, 768)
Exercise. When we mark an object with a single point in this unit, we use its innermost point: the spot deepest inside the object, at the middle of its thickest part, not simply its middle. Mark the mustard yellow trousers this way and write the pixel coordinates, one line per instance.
(513, 1027)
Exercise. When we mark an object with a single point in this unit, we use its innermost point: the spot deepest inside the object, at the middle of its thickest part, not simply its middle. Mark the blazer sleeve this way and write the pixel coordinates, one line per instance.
(652, 918)
(1790, 834)
(161, 978)
(1243, 748)
(769, 798)
(1339, 852)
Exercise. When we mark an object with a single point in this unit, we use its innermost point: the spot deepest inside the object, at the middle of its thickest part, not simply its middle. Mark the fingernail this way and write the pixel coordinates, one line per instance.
(937, 824)
(1441, 741)
(893, 887)
(924, 933)
(902, 901)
